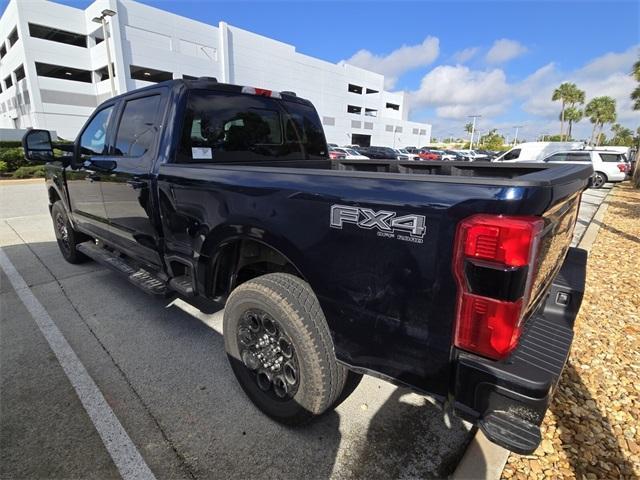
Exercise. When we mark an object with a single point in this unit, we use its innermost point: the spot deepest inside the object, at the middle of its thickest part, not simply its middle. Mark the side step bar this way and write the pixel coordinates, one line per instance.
(140, 277)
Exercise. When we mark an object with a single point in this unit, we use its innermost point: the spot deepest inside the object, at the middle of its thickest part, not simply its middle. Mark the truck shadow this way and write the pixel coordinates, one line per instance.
(174, 359)
(587, 437)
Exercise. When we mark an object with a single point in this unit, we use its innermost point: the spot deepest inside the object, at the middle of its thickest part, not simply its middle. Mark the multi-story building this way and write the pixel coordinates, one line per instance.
(53, 69)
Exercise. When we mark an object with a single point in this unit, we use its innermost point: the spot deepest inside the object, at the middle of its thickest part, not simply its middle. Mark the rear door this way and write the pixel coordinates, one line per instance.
(127, 194)
(84, 178)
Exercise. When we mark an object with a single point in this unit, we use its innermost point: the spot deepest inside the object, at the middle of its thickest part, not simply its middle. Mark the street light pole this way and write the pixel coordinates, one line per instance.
(102, 19)
(515, 139)
(473, 129)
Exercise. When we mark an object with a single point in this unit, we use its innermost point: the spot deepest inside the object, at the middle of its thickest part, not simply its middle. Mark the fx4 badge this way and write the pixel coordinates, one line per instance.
(410, 228)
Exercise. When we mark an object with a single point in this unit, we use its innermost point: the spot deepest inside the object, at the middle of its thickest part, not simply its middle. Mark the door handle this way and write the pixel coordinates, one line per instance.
(136, 184)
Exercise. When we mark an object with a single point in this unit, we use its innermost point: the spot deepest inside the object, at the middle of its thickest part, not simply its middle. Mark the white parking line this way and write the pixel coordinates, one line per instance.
(124, 453)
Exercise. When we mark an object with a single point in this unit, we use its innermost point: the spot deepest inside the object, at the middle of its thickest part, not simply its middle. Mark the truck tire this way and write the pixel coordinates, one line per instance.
(598, 180)
(67, 237)
(280, 350)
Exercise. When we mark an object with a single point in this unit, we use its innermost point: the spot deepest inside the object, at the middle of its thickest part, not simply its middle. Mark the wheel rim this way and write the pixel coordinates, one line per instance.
(598, 181)
(63, 232)
(268, 353)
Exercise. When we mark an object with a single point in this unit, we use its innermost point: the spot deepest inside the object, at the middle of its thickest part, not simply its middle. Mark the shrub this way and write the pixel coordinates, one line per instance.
(3, 167)
(10, 143)
(14, 157)
(33, 171)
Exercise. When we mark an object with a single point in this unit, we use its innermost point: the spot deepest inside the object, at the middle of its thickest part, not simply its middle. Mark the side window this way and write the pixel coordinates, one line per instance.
(226, 127)
(610, 157)
(137, 129)
(512, 155)
(557, 157)
(579, 157)
(94, 138)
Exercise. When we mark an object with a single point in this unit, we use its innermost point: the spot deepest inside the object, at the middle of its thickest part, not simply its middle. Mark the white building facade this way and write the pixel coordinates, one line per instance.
(53, 69)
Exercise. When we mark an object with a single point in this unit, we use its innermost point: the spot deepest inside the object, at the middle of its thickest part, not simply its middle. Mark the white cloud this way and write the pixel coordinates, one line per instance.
(399, 61)
(457, 91)
(465, 55)
(504, 50)
(604, 75)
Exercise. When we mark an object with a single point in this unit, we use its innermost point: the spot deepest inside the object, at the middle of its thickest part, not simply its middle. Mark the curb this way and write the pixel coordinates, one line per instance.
(20, 181)
(481, 452)
(590, 234)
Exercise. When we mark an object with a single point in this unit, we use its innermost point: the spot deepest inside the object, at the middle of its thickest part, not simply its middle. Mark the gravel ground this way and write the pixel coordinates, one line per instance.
(592, 429)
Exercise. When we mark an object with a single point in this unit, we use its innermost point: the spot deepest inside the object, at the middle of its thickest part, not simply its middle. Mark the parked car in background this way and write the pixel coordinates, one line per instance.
(536, 151)
(335, 154)
(405, 153)
(465, 155)
(444, 155)
(332, 145)
(381, 153)
(350, 153)
(486, 155)
(608, 166)
(426, 154)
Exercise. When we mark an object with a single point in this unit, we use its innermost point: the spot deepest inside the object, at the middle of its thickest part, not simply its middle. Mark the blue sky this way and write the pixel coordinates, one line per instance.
(448, 65)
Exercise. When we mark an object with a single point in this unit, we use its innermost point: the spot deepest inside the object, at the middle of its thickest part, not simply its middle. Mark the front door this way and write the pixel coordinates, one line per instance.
(85, 176)
(127, 194)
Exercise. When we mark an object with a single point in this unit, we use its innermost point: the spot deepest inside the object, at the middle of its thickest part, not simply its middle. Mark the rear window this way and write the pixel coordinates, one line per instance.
(228, 127)
(612, 157)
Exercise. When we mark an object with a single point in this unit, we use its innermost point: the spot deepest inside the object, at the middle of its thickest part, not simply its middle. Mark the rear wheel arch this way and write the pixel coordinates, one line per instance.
(236, 260)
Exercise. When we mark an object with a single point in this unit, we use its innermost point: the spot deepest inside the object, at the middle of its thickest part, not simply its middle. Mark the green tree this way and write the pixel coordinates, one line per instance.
(569, 95)
(635, 95)
(492, 140)
(600, 110)
(622, 136)
(468, 127)
(572, 115)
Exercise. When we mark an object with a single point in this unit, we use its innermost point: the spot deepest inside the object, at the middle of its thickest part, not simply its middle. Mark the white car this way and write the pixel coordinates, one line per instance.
(608, 165)
(536, 151)
(350, 153)
(405, 153)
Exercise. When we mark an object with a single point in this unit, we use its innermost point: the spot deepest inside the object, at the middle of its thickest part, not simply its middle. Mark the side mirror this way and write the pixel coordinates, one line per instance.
(37, 146)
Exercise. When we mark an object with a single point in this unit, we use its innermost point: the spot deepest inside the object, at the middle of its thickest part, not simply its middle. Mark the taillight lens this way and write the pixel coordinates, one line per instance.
(498, 247)
(622, 167)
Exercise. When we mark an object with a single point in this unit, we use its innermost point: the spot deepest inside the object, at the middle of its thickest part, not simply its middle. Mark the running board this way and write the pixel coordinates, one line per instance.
(140, 277)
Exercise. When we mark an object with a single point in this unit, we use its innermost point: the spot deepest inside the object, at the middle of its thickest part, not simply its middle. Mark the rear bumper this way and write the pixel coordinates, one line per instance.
(508, 399)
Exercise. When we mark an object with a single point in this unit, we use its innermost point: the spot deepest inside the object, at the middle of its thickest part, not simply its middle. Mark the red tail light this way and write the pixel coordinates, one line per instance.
(492, 246)
(623, 167)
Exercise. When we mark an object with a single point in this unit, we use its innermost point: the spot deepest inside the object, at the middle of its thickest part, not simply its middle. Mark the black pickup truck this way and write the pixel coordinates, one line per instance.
(455, 279)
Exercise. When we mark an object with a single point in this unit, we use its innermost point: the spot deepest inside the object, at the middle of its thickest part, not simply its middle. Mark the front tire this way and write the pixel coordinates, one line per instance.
(599, 179)
(280, 350)
(68, 238)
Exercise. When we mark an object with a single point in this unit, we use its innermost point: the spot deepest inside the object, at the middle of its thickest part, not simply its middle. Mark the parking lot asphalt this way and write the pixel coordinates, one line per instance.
(161, 367)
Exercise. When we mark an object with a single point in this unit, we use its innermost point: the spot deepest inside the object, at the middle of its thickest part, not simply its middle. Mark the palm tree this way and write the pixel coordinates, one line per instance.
(468, 127)
(635, 95)
(600, 110)
(569, 94)
(572, 115)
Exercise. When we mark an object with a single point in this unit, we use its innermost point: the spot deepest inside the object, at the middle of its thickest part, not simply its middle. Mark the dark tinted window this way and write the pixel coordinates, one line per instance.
(56, 35)
(3, 50)
(355, 88)
(103, 73)
(393, 106)
(579, 157)
(512, 155)
(137, 128)
(94, 138)
(611, 157)
(224, 127)
(8, 82)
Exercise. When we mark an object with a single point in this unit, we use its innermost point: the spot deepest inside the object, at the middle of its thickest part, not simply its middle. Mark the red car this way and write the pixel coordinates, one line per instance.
(428, 155)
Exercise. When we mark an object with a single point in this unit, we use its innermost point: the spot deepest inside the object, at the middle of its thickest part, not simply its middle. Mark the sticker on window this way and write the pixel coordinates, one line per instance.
(201, 153)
